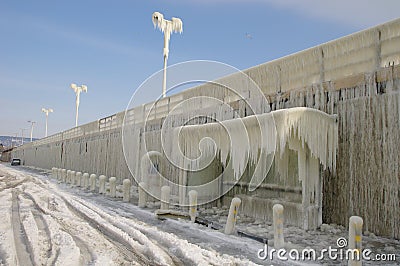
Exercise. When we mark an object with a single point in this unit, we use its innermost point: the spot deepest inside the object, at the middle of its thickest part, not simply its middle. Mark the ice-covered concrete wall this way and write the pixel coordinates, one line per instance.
(367, 181)
(99, 153)
(356, 77)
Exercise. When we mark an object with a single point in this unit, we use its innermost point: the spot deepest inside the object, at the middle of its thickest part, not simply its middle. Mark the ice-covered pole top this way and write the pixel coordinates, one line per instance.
(78, 89)
(167, 27)
(47, 111)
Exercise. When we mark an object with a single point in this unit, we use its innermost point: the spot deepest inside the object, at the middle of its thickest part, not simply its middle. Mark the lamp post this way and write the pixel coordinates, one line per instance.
(47, 111)
(32, 124)
(167, 27)
(78, 90)
(22, 135)
(14, 140)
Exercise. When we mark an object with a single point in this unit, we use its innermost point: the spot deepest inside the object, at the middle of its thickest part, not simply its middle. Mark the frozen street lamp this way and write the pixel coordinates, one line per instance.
(167, 27)
(47, 111)
(32, 124)
(22, 135)
(78, 90)
(14, 141)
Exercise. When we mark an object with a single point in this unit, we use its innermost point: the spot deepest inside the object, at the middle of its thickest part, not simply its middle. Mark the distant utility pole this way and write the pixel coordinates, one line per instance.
(167, 27)
(32, 124)
(47, 111)
(22, 135)
(78, 90)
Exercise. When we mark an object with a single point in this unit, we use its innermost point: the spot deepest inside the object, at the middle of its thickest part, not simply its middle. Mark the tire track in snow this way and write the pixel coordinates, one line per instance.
(22, 246)
(41, 224)
(86, 253)
(175, 229)
(118, 225)
(13, 184)
(118, 241)
(3, 256)
(128, 228)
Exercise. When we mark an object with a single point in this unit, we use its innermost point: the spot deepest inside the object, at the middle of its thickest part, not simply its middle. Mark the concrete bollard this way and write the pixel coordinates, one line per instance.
(233, 211)
(59, 174)
(72, 178)
(68, 176)
(279, 241)
(92, 182)
(53, 172)
(127, 190)
(142, 194)
(193, 205)
(102, 184)
(165, 195)
(85, 181)
(355, 240)
(64, 175)
(113, 186)
(78, 179)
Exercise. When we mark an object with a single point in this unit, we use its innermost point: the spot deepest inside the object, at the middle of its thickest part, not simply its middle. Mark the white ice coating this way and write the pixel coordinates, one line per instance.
(113, 186)
(64, 175)
(278, 226)
(72, 177)
(102, 184)
(193, 205)
(233, 212)
(126, 190)
(85, 181)
(54, 172)
(355, 238)
(78, 179)
(68, 176)
(142, 194)
(92, 181)
(59, 174)
(240, 139)
(320, 77)
(165, 196)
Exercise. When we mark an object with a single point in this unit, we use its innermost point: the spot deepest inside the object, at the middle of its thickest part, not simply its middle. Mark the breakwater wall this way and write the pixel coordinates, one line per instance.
(356, 77)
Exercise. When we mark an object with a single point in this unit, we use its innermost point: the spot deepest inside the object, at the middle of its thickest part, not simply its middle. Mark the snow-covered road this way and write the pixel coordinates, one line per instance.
(46, 223)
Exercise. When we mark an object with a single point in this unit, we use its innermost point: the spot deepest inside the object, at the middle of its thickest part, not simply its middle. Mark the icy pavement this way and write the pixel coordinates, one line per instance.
(46, 223)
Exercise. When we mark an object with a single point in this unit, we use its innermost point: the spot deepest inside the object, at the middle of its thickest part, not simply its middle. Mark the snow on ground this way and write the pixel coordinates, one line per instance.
(43, 222)
(55, 227)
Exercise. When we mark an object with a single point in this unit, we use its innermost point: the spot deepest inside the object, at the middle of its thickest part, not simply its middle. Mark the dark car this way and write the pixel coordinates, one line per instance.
(16, 161)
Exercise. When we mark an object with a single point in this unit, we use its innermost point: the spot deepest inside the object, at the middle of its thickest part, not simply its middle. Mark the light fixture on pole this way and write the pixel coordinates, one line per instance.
(78, 90)
(14, 140)
(32, 124)
(47, 111)
(22, 135)
(167, 27)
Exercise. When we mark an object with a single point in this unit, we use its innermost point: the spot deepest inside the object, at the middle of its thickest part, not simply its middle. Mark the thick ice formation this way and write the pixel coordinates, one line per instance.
(241, 140)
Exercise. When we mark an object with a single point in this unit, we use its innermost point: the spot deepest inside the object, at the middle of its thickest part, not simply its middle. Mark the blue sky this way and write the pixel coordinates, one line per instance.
(112, 47)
